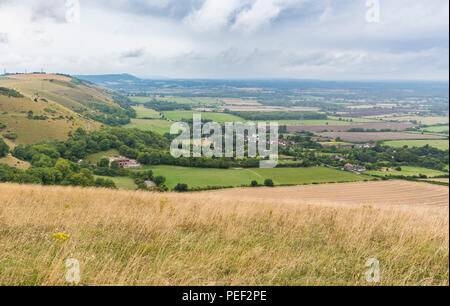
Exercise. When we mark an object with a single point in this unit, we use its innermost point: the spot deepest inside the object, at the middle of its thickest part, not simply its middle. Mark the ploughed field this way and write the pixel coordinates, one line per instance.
(225, 238)
(376, 136)
(383, 193)
(343, 128)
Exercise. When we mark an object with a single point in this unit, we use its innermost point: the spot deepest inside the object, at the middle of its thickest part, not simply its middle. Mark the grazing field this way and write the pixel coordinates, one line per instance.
(159, 126)
(188, 115)
(298, 176)
(439, 180)
(199, 177)
(437, 129)
(96, 157)
(143, 112)
(343, 128)
(376, 136)
(268, 109)
(439, 144)
(241, 102)
(193, 101)
(419, 119)
(408, 171)
(141, 238)
(125, 183)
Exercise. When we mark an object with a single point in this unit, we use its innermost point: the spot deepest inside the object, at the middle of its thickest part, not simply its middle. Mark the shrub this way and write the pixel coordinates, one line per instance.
(181, 188)
(4, 148)
(269, 183)
(254, 184)
(10, 136)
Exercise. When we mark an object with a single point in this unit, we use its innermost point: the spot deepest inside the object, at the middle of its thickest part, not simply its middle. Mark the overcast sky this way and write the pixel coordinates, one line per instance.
(314, 39)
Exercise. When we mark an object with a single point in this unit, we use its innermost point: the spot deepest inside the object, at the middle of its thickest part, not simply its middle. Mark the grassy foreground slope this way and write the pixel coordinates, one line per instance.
(138, 238)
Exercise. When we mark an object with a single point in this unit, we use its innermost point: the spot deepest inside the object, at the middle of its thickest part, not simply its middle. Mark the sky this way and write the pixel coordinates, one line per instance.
(302, 39)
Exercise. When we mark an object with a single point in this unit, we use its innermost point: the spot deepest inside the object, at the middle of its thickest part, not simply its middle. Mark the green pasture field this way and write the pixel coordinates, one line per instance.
(124, 182)
(441, 129)
(143, 112)
(199, 177)
(202, 177)
(158, 126)
(299, 176)
(96, 157)
(408, 171)
(439, 144)
(217, 117)
(194, 101)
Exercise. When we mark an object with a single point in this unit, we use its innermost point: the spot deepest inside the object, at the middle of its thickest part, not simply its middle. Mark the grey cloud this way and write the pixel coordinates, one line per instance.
(54, 10)
(3, 38)
(133, 53)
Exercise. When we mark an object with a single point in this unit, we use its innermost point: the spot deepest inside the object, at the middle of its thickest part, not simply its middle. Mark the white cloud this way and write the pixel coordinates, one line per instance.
(214, 14)
(229, 38)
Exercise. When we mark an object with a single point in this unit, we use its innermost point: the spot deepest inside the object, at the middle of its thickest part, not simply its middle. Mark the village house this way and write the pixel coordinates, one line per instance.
(150, 184)
(338, 157)
(124, 162)
(357, 168)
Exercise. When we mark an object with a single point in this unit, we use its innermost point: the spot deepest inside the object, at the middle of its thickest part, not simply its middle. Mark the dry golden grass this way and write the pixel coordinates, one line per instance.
(39, 76)
(138, 238)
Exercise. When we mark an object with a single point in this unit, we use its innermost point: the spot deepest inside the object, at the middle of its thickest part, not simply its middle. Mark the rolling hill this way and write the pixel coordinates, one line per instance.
(37, 107)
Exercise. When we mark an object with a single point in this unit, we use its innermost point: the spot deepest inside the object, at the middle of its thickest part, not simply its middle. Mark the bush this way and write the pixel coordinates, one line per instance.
(269, 183)
(10, 136)
(181, 188)
(254, 184)
(4, 148)
(160, 180)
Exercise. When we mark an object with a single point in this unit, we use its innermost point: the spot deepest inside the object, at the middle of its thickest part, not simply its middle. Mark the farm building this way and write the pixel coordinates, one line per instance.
(338, 157)
(150, 184)
(357, 168)
(125, 162)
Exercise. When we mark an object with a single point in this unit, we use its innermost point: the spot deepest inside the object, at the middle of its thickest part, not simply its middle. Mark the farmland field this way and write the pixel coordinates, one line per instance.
(385, 193)
(96, 157)
(188, 115)
(437, 129)
(298, 176)
(199, 177)
(376, 136)
(125, 183)
(408, 171)
(159, 126)
(231, 237)
(439, 144)
(194, 101)
(342, 128)
(421, 120)
(143, 112)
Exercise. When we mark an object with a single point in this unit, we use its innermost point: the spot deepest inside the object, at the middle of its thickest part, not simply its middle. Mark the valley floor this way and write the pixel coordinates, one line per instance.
(278, 236)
